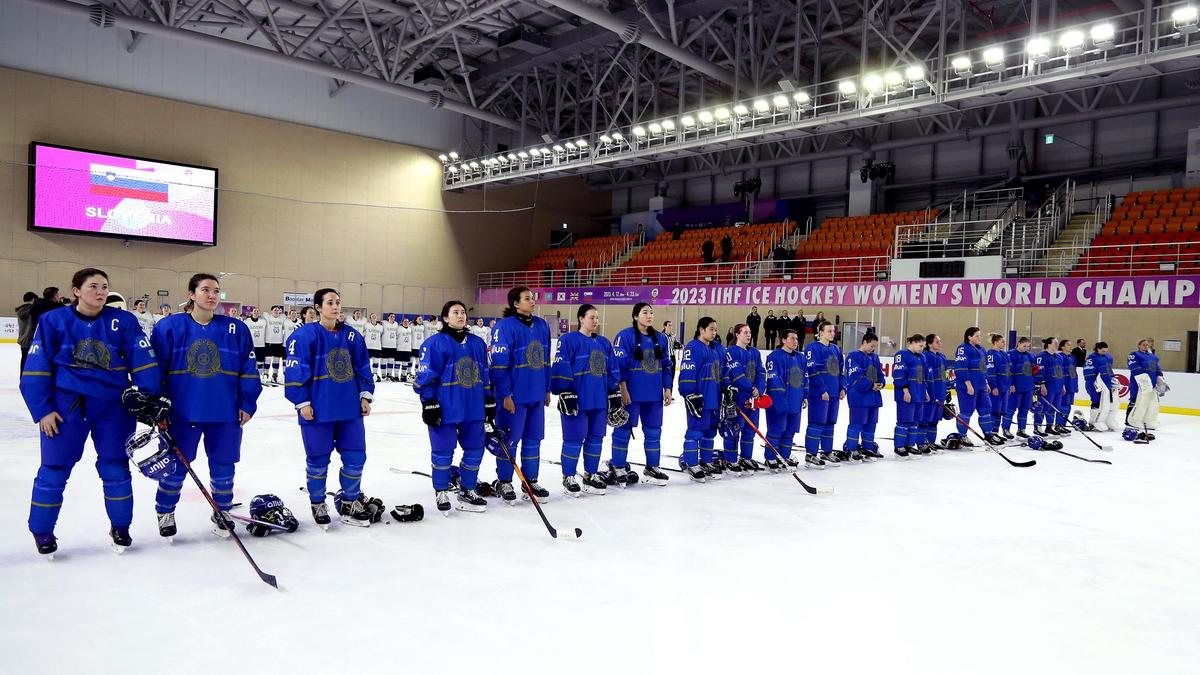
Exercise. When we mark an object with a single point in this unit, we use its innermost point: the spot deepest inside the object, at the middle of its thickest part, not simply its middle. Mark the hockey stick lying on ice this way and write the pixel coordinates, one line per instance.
(577, 533)
(664, 468)
(1105, 448)
(247, 519)
(807, 488)
(1064, 452)
(978, 435)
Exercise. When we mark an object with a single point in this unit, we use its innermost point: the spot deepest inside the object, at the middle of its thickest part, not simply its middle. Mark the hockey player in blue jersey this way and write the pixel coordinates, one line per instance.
(937, 385)
(1021, 365)
(999, 381)
(863, 376)
(744, 372)
(584, 377)
(1062, 419)
(786, 379)
(82, 357)
(1146, 385)
(211, 376)
(970, 383)
(1098, 382)
(647, 379)
(700, 386)
(328, 380)
(521, 380)
(823, 367)
(908, 384)
(455, 388)
(1048, 375)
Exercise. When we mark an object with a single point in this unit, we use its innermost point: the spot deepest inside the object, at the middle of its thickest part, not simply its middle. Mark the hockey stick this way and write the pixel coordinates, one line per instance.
(246, 519)
(664, 468)
(266, 578)
(1063, 452)
(963, 422)
(1105, 448)
(807, 488)
(529, 490)
(409, 471)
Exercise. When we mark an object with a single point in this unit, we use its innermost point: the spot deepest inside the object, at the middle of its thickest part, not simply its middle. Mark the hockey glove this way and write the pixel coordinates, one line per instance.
(694, 404)
(729, 404)
(489, 410)
(949, 412)
(568, 403)
(949, 395)
(614, 402)
(1161, 386)
(1036, 407)
(431, 413)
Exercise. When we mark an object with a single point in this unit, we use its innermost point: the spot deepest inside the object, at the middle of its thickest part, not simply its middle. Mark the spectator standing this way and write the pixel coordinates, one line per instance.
(753, 320)
(24, 325)
(1079, 353)
(771, 328)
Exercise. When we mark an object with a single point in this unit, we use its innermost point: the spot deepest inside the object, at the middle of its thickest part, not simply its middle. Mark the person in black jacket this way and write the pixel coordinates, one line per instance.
(51, 299)
(1080, 353)
(753, 320)
(24, 325)
(706, 250)
(771, 328)
(726, 249)
(800, 324)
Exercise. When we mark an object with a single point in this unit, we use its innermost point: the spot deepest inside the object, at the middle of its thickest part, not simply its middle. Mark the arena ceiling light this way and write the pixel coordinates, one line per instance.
(914, 74)
(1102, 35)
(523, 155)
(847, 88)
(761, 106)
(873, 83)
(452, 169)
(502, 159)
(802, 99)
(581, 143)
(1071, 42)
(993, 58)
(453, 156)
(1186, 19)
(655, 128)
(474, 165)
(722, 114)
(639, 131)
(1038, 49)
(780, 102)
(706, 117)
(962, 66)
(443, 158)
(605, 139)
(569, 145)
(741, 110)
(688, 121)
(893, 80)
(668, 125)
(535, 152)
(617, 136)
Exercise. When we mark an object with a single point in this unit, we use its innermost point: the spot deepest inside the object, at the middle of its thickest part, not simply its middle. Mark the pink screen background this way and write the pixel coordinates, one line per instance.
(62, 197)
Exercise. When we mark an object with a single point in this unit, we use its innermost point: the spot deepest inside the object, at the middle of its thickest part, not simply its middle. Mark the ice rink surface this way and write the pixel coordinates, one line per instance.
(956, 563)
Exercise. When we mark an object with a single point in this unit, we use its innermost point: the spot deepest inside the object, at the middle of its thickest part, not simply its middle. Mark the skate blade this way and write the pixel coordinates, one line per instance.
(510, 502)
(170, 540)
(541, 500)
(655, 481)
(595, 492)
(48, 557)
(572, 495)
(324, 526)
(118, 549)
(355, 523)
(469, 508)
(696, 480)
(445, 514)
(224, 534)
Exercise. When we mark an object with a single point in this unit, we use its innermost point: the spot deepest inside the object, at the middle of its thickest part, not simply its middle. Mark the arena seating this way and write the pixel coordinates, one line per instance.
(753, 241)
(855, 237)
(1148, 228)
(588, 252)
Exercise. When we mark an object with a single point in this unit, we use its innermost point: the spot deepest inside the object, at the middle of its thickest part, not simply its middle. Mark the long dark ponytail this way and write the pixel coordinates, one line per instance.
(650, 331)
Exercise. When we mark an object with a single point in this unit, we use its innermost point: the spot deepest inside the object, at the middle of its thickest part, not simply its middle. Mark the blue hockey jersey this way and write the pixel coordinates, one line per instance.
(937, 374)
(970, 365)
(786, 381)
(1021, 366)
(328, 370)
(1139, 362)
(999, 371)
(456, 375)
(908, 372)
(521, 359)
(210, 372)
(700, 373)
(1098, 365)
(90, 356)
(645, 377)
(862, 372)
(586, 365)
(823, 366)
(1048, 371)
(744, 370)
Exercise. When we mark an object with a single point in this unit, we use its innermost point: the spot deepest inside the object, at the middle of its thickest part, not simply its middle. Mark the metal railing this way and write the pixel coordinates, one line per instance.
(1168, 258)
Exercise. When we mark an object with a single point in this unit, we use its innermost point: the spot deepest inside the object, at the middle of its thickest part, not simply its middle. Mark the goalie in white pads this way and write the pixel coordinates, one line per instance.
(1146, 385)
(1101, 387)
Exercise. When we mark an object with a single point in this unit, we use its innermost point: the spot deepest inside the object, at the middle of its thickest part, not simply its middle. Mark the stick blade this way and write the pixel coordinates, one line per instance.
(269, 579)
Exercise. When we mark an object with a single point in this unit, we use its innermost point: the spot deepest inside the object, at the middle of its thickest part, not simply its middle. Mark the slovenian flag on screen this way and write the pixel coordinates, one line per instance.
(139, 185)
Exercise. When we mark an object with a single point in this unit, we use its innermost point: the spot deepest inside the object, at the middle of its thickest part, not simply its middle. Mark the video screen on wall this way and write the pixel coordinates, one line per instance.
(75, 191)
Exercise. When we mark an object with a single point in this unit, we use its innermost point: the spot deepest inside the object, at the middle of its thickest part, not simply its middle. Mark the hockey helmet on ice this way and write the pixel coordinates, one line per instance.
(1129, 434)
(953, 441)
(151, 453)
(1078, 422)
(1036, 442)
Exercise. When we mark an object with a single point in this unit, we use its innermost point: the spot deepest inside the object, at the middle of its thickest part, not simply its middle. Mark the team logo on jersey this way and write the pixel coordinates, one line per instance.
(941, 371)
(649, 362)
(597, 363)
(1027, 368)
(203, 358)
(91, 353)
(919, 375)
(1058, 372)
(339, 365)
(534, 356)
(872, 374)
(752, 370)
(834, 365)
(715, 371)
(467, 372)
(796, 377)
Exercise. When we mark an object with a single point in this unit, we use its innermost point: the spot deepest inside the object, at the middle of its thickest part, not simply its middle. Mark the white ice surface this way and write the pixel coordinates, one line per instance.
(956, 563)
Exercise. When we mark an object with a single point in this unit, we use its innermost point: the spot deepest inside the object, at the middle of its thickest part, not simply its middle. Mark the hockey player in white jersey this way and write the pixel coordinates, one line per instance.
(391, 331)
(480, 331)
(276, 327)
(258, 333)
(357, 322)
(293, 322)
(420, 331)
(433, 327)
(145, 318)
(373, 334)
(404, 351)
